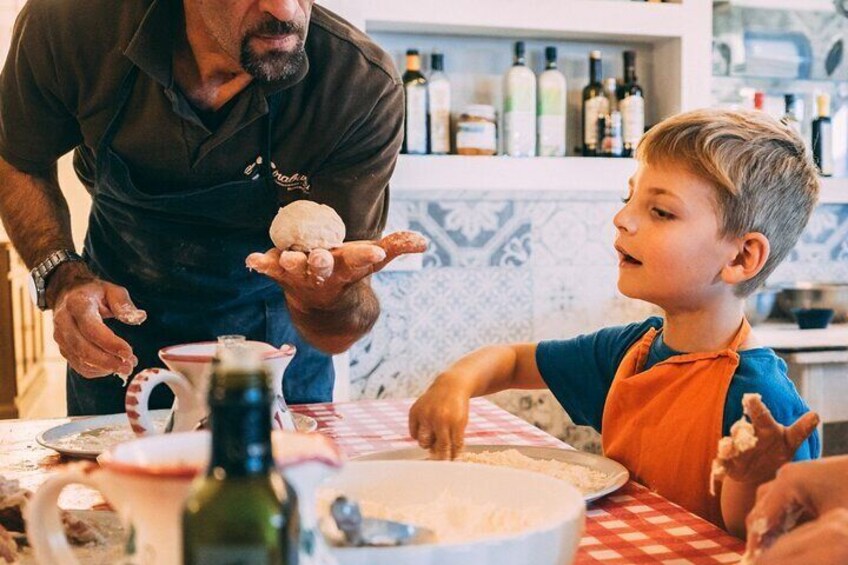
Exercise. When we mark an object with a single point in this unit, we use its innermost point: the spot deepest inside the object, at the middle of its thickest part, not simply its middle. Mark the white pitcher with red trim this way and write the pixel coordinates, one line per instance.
(189, 370)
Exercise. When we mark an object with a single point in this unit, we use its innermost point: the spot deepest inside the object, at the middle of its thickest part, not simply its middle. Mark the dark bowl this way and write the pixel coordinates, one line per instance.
(813, 318)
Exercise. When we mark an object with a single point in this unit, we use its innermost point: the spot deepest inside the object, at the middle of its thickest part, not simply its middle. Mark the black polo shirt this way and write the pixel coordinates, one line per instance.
(335, 139)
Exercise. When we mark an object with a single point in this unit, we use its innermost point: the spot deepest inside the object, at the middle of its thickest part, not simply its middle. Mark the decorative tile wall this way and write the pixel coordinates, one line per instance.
(521, 266)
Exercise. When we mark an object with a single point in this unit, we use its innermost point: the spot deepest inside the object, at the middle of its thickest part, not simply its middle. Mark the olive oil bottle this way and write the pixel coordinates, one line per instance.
(242, 512)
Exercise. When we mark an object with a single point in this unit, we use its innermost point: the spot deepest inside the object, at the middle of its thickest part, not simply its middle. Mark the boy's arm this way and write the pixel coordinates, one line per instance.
(750, 467)
(438, 418)
(737, 499)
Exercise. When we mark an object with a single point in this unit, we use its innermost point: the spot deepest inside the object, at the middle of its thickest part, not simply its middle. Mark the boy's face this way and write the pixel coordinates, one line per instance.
(670, 251)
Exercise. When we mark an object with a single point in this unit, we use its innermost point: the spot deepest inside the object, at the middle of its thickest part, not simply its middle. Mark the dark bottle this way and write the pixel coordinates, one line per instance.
(631, 105)
(415, 115)
(823, 136)
(242, 511)
(595, 104)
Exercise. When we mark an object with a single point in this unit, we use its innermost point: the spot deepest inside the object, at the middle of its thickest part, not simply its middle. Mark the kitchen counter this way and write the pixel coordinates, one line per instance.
(787, 336)
(634, 525)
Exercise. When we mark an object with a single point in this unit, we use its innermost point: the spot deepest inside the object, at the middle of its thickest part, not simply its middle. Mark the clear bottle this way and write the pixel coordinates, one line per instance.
(439, 106)
(519, 107)
(823, 136)
(794, 114)
(595, 104)
(242, 510)
(631, 105)
(415, 116)
(551, 108)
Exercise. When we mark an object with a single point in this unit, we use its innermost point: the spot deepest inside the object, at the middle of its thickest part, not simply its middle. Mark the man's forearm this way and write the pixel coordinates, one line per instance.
(34, 213)
(335, 329)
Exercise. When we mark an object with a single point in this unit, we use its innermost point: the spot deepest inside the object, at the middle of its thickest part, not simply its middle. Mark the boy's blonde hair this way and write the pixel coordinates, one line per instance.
(764, 176)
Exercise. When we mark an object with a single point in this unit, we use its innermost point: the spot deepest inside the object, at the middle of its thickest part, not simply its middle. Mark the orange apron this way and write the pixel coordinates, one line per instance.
(664, 424)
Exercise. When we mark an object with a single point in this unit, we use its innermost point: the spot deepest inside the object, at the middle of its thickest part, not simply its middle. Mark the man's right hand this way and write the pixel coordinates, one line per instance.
(80, 302)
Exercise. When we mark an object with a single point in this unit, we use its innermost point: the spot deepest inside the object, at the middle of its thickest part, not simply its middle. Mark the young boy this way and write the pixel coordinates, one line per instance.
(718, 200)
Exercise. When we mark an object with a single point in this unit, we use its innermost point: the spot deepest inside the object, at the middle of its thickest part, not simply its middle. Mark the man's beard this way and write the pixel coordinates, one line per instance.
(276, 64)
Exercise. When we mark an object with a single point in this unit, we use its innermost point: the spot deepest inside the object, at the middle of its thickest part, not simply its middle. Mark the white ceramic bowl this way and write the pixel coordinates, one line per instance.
(553, 542)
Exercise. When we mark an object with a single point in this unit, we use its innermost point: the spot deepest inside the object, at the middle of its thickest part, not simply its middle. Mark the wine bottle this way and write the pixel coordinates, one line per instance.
(439, 104)
(551, 108)
(631, 105)
(823, 136)
(794, 112)
(520, 107)
(594, 104)
(415, 116)
(242, 511)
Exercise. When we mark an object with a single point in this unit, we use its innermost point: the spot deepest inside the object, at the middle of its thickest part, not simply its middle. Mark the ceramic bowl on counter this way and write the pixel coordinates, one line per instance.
(815, 296)
(758, 306)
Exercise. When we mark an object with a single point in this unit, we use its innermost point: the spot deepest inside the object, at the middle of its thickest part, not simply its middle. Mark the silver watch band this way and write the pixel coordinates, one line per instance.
(41, 272)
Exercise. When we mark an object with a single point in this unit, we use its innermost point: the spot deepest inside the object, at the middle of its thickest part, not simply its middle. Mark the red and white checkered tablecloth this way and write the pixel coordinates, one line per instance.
(634, 525)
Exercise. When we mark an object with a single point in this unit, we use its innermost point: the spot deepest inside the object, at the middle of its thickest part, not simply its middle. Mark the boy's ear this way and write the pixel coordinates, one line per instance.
(752, 253)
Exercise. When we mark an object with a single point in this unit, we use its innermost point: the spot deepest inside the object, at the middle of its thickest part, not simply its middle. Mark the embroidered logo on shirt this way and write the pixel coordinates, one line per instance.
(291, 182)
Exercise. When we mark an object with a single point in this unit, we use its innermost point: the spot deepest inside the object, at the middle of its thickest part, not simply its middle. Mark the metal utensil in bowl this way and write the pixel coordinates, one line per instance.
(758, 306)
(810, 295)
(359, 531)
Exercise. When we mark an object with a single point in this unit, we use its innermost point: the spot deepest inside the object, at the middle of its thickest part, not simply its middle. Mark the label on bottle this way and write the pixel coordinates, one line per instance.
(229, 554)
(592, 108)
(520, 134)
(476, 135)
(633, 119)
(439, 102)
(416, 119)
(551, 136)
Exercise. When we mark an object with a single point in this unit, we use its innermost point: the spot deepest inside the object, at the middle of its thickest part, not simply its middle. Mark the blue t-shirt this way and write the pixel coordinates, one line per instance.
(580, 372)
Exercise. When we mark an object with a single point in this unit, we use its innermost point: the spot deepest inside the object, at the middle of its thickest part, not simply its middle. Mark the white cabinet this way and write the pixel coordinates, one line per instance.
(672, 42)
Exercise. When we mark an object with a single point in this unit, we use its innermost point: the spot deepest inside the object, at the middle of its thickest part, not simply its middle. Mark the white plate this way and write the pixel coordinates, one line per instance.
(617, 473)
(88, 437)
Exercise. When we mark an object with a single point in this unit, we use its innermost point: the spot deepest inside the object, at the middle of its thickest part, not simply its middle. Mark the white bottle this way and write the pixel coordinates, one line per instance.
(551, 108)
(415, 91)
(439, 105)
(520, 107)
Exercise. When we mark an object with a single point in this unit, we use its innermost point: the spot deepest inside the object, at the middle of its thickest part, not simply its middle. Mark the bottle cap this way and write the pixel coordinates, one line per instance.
(519, 49)
(823, 104)
(595, 55)
(410, 52)
(759, 100)
(551, 54)
(437, 62)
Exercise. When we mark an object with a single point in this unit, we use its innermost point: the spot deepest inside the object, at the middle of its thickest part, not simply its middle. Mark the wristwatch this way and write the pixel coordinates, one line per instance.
(39, 275)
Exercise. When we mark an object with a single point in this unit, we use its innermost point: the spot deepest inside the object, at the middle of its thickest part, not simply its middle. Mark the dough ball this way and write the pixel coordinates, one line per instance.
(304, 225)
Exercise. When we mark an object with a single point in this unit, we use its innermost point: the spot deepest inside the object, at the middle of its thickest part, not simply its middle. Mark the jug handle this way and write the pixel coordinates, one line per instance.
(45, 531)
(138, 397)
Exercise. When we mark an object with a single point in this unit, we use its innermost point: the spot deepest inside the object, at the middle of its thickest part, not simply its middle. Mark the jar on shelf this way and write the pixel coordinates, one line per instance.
(477, 131)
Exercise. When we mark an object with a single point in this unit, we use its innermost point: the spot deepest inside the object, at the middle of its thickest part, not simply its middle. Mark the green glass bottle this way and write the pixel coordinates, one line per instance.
(242, 512)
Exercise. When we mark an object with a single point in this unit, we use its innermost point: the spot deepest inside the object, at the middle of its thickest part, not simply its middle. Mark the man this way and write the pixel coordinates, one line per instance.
(193, 121)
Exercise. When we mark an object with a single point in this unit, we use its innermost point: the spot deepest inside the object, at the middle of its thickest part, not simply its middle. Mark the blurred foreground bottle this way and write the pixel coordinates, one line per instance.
(242, 511)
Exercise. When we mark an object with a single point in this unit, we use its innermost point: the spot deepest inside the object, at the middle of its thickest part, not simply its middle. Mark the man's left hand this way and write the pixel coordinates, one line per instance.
(318, 279)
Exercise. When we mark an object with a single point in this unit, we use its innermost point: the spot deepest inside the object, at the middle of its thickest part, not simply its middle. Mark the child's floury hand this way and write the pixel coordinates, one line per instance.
(774, 445)
(438, 418)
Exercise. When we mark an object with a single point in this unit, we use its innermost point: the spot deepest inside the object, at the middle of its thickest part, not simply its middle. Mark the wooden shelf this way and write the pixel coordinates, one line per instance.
(796, 5)
(458, 172)
(577, 174)
(577, 19)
